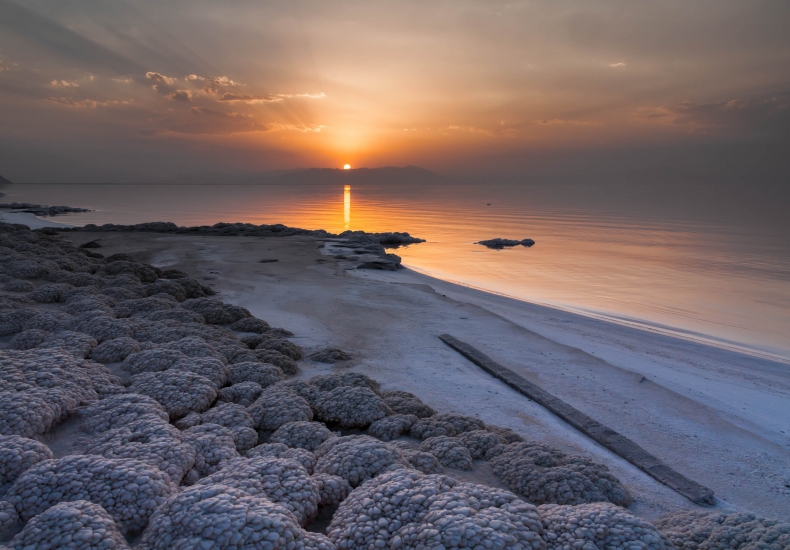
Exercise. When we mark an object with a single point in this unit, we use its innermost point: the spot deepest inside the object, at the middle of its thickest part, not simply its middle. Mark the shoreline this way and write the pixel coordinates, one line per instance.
(387, 320)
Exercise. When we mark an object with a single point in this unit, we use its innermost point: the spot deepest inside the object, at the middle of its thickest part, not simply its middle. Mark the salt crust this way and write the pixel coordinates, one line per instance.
(129, 490)
(406, 509)
(357, 458)
(77, 525)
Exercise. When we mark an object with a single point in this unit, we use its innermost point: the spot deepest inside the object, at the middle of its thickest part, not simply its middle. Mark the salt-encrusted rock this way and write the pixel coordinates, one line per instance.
(18, 285)
(89, 307)
(189, 421)
(460, 422)
(78, 525)
(278, 450)
(392, 427)
(428, 427)
(171, 288)
(149, 440)
(8, 516)
(113, 351)
(14, 321)
(141, 306)
(29, 339)
(271, 342)
(284, 482)
(216, 312)
(235, 352)
(449, 450)
(709, 530)
(330, 355)
(144, 272)
(179, 392)
(24, 413)
(229, 415)
(406, 509)
(599, 525)
(332, 490)
(175, 314)
(194, 346)
(261, 373)
(509, 435)
(51, 293)
(545, 475)
(250, 324)
(243, 394)
(286, 364)
(304, 435)
(214, 447)
(226, 518)
(50, 321)
(357, 458)
(329, 382)
(208, 367)
(301, 388)
(153, 360)
(423, 462)
(128, 490)
(17, 454)
(479, 442)
(350, 407)
(104, 328)
(275, 407)
(120, 410)
(244, 438)
(123, 292)
(403, 402)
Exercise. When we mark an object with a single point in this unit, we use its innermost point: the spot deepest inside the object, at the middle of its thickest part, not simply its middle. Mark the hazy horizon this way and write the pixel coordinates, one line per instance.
(572, 91)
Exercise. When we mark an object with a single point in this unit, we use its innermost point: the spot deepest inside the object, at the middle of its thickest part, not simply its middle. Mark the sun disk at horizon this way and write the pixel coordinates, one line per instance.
(346, 167)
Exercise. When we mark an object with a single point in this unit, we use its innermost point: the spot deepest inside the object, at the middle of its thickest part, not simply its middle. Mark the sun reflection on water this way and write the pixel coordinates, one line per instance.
(347, 207)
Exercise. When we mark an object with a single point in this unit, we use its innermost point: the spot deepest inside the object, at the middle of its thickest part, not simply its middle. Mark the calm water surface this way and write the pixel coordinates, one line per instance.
(704, 274)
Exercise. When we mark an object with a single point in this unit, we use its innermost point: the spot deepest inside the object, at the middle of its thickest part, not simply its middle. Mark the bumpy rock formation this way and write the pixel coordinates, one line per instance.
(350, 407)
(406, 509)
(392, 427)
(304, 435)
(79, 525)
(449, 450)
(278, 450)
(179, 392)
(404, 402)
(707, 530)
(598, 525)
(129, 490)
(223, 517)
(357, 458)
(545, 475)
(284, 482)
(330, 355)
(277, 406)
(332, 490)
(18, 454)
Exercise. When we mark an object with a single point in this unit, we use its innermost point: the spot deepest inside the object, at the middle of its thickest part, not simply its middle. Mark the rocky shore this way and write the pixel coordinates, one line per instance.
(140, 408)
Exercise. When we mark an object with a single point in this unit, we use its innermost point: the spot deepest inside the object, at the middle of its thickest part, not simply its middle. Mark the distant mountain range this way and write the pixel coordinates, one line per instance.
(329, 176)
(387, 174)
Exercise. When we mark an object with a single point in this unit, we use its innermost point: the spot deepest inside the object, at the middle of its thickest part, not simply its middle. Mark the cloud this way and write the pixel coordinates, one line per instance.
(733, 114)
(193, 77)
(249, 99)
(86, 103)
(184, 96)
(553, 121)
(159, 78)
(296, 127)
(207, 111)
(617, 65)
(311, 96)
(123, 80)
(63, 84)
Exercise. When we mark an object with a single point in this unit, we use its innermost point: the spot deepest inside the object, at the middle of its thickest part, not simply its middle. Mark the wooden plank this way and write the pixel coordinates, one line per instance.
(609, 438)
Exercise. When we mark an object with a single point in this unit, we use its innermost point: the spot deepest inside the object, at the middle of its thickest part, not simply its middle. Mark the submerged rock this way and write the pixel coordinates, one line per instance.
(499, 243)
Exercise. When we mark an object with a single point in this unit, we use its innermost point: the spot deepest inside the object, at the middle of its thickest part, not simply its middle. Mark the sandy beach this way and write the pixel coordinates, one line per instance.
(714, 415)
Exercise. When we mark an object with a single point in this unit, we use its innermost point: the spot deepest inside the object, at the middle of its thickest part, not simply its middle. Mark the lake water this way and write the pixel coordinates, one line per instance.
(699, 266)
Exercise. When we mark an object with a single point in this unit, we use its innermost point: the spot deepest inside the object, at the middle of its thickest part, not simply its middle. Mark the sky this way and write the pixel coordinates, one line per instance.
(145, 90)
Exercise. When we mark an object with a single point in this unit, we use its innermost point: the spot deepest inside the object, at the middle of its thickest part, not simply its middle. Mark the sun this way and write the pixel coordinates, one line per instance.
(346, 167)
